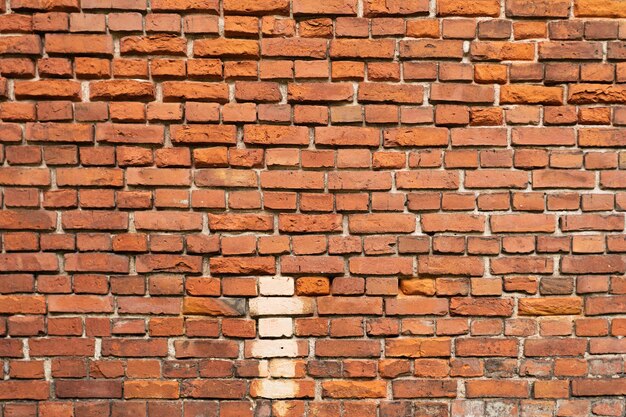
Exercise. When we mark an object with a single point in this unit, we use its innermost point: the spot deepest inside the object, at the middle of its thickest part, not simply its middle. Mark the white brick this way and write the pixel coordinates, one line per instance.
(276, 327)
(282, 368)
(264, 369)
(281, 306)
(275, 388)
(282, 408)
(276, 286)
(280, 348)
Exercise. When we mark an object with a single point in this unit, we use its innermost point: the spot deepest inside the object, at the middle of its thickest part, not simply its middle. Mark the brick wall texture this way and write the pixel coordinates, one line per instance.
(322, 208)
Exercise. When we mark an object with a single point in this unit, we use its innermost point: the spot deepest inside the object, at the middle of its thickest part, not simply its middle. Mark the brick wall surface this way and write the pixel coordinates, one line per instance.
(324, 208)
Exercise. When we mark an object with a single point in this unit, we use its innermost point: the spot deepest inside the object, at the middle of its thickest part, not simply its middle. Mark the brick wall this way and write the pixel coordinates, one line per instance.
(372, 208)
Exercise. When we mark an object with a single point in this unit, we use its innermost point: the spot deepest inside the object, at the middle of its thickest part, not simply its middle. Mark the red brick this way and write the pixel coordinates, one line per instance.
(570, 50)
(88, 389)
(314, 223)
(394, 7)
(381, 266)
(452, 223)
(348, 348)
(417, 136)
(449, 265)
(48, 89)
(256, 7)
(129, 134)
(29, 262)
(554, 347)
(523, 223)
(226, 47)
(25, 44)
(463, 93)
(62, 346)
(203, 134)
(186, 5)
(487, 347)
(424, 388)
(275, 135)
(215, 389)
(294, 47)
(495, 388)
(196, 91)
(354, 389)
(542, 8)
(390, 93)
(427, 180)
(168, 221)
(530, 94)
(362, 48)
(121, 90)
(75, 44)
(22, 304)
(598, 387)
(481, 307)
(448, 49)
(24, 390)
(502, 51)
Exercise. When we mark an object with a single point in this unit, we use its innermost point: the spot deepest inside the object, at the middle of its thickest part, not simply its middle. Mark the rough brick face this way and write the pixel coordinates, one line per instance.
(322, 208)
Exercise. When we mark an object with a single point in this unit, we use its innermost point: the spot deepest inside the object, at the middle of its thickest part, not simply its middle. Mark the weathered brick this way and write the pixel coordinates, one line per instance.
(24, 390)
(354, 389)
(78, 44)
(462, 93)
(596, 93)
(417, 136)
(129, 134)
(275, 135)
(449, 265)
(29, 262)
(27, 220)
(449, 49)
(294, 47)
(498, 389)
(347, 136)
(530, 94)
(194, 91)
(424, 388)
(23, 45)
(203, 134)
(216, 389)
(595, 8)
(395, 7)
(487, 347)
(226, 47)
(481, 307)
(418, 348)
(48, 89)
(314, 92)
(332, 7)
(502, 51)
(256, 7)
(121, 90)
(554, 347)
(362, 48)
(537, 8)
(570, 50)
(153, 45)
(549, 306)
